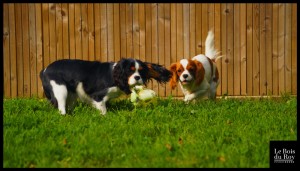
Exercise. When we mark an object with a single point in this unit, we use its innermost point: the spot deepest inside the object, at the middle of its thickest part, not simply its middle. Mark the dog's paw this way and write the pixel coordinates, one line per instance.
(185, 100)
(189, 97)
(103, 110)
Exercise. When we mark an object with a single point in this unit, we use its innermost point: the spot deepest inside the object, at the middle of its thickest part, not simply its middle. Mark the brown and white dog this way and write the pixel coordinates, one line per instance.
(199, 76)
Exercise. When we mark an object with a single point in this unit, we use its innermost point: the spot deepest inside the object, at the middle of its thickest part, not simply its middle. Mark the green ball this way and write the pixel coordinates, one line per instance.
(141, 95)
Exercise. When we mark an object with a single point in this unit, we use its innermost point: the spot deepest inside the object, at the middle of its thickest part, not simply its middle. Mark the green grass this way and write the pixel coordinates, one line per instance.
(230, 133)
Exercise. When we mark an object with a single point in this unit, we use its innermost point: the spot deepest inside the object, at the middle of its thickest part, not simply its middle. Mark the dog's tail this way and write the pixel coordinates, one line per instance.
(210, 50)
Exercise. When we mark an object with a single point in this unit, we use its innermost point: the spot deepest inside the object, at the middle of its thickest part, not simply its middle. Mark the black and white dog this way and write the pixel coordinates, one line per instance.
(95, 82)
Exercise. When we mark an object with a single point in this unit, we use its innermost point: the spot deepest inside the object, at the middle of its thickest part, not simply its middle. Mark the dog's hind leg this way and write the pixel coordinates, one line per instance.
(48, 88)
(71, 100)
(214, 84)
(212, 91)
(61, 93)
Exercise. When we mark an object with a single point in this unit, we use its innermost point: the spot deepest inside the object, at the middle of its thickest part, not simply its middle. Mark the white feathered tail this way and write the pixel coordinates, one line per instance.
(210, 50)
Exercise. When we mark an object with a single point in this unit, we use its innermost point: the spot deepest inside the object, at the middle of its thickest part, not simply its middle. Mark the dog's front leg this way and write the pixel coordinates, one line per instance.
(199, 93)
(203, 90)
(101, 105)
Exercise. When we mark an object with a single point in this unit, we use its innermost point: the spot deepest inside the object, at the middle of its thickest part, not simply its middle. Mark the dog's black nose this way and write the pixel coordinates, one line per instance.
(137, 77)
(185, 75)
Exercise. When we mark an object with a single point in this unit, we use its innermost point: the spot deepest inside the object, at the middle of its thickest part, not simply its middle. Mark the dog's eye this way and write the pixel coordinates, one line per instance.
(140, 68)
(179, 71)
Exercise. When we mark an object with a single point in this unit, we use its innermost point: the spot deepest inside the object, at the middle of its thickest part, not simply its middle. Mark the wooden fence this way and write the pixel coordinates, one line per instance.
(258, 41)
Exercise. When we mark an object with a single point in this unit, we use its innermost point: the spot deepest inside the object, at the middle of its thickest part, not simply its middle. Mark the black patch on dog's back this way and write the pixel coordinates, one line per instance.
(94, 75)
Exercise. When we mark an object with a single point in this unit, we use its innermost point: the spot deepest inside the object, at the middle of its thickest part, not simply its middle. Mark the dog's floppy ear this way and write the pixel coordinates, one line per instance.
(200, 72)
(120, 76)
(158, 72)
(174, 79)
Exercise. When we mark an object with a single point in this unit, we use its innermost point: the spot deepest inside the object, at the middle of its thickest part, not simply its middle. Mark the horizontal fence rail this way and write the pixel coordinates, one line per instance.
(258, 41)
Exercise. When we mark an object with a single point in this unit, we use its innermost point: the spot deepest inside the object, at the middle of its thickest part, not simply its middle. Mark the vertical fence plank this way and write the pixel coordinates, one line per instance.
(6, 53)
(217, 27)
(225, 60)
(230, 48)
(173, 33)
(275, 83)
(192, 23)
(288, 48)
(179, 39)
(256, 49)
(167, 34)
(91, 31)
(97, 31)
(148, 41)
(211, 17)
(39, 48)
(135, 31)
(52, 32)
(204, 25)
(117, 41)
(269, 78)
(46, 39)
(129, 44)
(236, 50)
(281, 44)
(32, 49)
(103, 32)
(77, 29)
(25, 28)
(148, 31)
(84, 32)
(249, 52)
(161, 42)
(12, 50)
(243, 38)
(19, 42)
(179, 33)
(123, 31)
(154, 38)
(262, 50)
(72, 31)
(198, 23)
(294, 49)
(110, 33)
(9, 51)
(186, 31)
(65, 26)
(142, 30)
(59, 28)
